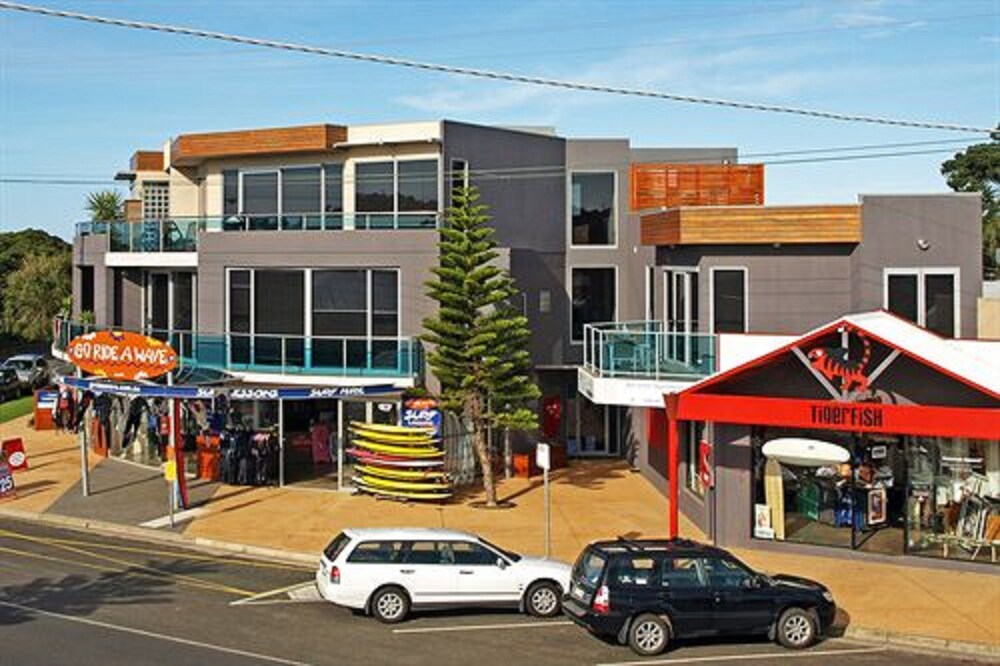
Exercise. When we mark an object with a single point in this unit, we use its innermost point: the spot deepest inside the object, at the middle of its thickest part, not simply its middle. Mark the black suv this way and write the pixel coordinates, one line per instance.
(646, 592)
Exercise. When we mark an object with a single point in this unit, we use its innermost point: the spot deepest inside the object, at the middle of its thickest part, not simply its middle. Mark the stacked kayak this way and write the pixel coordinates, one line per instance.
(398, 461)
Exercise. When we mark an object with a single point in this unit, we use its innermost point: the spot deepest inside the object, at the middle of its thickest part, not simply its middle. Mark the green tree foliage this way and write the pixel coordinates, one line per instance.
(16, 245)
(105, 205)
(478, 340)
(977, 169)
(34, 293)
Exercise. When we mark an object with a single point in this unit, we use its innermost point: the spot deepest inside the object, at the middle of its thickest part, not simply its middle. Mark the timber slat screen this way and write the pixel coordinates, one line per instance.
(189, 149)
(749, 225)
(671, 185)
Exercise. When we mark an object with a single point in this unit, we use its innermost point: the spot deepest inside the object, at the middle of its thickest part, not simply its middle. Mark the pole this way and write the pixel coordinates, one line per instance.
(281, 442)
(508, 459)
(672, 459)
(548, 512)
(82, 437)
(340, 444)
(170, 500)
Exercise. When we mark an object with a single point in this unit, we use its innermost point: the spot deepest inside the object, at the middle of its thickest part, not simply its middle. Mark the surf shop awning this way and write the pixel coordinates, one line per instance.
(864, 373)
(233, 391)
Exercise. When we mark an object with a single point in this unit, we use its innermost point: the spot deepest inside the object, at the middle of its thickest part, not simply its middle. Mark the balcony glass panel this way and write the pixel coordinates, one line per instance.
(643, 350)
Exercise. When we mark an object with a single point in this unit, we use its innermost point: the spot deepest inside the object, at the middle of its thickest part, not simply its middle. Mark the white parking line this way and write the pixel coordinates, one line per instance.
(747, 657)
(152, 634)
(482, 627)
(291, 591)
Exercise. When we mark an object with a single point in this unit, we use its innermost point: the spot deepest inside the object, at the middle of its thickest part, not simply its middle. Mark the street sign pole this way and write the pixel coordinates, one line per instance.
(82, 437)
(543, 459)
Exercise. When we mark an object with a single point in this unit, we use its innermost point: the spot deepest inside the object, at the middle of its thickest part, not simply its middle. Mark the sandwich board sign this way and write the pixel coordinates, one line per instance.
(6, 479)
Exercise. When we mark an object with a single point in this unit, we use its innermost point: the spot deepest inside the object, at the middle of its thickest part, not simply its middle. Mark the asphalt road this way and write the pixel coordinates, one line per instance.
(84, 599)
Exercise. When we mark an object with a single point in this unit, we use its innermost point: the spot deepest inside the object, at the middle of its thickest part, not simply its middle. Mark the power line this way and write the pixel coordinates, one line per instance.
(489, 74)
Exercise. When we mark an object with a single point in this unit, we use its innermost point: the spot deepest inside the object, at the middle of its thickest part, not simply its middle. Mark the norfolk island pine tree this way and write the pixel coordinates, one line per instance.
(478, 341)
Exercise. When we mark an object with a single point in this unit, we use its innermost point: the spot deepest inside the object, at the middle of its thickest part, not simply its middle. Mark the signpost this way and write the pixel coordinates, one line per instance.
(543, 458)
(170, 476)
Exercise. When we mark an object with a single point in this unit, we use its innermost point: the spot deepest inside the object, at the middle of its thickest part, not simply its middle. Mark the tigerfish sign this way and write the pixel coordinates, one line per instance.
(121, 355)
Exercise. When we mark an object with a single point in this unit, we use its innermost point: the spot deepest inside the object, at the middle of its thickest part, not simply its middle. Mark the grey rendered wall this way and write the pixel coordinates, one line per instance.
(89, 251)
(526, 195)
(790, 289)
(949, 223)
(732, 493)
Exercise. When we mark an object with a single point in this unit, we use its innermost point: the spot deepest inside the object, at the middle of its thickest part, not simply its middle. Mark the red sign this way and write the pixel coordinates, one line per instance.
(121, 355)
(705, 464)
(13, 451)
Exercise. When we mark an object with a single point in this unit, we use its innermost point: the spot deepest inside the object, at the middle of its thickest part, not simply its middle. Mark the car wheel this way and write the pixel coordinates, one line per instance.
(648, 635)
(796, 629)
(542, 600)
(390, 605)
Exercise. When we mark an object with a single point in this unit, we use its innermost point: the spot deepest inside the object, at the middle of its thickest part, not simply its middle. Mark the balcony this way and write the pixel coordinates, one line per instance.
(389, 358)
(180, 234)
(634, 363)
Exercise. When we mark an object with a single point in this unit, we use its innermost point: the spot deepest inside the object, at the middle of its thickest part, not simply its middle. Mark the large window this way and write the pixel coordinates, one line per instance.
(279, 321)
(373, 187)
(301, 198)
(593, 297)
(927, 297)
(593, 215)
(396, 194)
(260, 199)
(239, 316)
(729, 300)
(295, 198)
(417, 187)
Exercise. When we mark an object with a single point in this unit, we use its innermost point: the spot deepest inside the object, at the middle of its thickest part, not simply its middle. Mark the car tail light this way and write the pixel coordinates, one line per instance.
(335, 575)
(602, 601)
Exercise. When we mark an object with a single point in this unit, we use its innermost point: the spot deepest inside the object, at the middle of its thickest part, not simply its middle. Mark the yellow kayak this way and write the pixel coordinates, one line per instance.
(393, 429)
(405, 494)
(417, 438)
(399, 474)
(399, 450)
(376, 482)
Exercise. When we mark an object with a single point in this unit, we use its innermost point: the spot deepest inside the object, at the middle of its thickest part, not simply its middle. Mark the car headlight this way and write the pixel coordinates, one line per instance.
(828, 596)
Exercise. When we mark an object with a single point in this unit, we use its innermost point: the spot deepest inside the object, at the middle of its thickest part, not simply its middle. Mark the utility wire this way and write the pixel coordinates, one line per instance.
(489, 74)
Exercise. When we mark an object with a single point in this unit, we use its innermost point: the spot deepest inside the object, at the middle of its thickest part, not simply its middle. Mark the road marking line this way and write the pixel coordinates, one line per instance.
(747, 657)
(172, 553)
(89, 565)
(270, 593)
(179, 517)
(483, 627)
(135, 565)
(152, 634)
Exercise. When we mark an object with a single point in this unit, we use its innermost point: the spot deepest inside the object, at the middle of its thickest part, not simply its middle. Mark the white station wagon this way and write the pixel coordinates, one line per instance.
(387, 571)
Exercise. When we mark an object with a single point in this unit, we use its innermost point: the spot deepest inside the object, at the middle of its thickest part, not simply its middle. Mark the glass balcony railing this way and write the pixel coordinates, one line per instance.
(180, 234)
(280, 354)
(642, 349)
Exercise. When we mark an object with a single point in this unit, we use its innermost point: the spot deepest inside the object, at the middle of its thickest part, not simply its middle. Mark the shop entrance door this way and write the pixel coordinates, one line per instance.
(350, 410)
(158, 305)
(880, 481)
(681, 312)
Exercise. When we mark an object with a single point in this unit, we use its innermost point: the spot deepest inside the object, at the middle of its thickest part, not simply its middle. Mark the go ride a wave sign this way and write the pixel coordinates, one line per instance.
(121, 355)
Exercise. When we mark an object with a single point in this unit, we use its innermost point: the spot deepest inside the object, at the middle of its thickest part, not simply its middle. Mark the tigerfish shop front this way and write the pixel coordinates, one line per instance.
(868, 435)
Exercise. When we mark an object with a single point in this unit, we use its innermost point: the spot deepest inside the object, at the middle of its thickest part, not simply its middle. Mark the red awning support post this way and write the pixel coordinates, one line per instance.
(670, 400)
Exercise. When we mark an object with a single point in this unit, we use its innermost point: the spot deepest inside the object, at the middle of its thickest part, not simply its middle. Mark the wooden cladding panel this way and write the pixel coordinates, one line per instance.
(750, 225)
(673, 185)
(189, 149)
(133, 210)
(147, 160)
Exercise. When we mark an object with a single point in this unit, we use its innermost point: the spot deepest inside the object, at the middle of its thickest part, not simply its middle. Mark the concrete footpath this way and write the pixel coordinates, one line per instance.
(881, 601)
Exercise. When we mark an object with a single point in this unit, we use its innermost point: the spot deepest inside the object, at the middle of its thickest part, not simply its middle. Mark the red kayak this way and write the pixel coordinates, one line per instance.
(371, 458)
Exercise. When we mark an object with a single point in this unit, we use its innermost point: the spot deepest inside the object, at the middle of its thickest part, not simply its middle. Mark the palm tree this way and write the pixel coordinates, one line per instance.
(105, 205)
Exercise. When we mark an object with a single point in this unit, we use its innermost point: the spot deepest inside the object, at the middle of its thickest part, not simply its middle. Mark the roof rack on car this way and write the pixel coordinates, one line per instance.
(630, 544)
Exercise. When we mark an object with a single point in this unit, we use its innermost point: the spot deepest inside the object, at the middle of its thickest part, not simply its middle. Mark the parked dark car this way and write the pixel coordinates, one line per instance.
(10, 385)
(647, 592)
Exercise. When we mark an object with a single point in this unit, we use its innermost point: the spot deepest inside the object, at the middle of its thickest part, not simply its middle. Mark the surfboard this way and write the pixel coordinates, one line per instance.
(416, 486)
(393, 429)
(805, 452)
(367, 457)
(405, 440)
(399, 451)
(406, 494)
(774, 495)
(399, 474)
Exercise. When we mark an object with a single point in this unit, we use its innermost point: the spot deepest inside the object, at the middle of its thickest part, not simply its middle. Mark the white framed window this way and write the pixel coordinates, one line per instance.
(729, 302)
(593, 209)
(929, 297)
(155, 200)
(593, 297)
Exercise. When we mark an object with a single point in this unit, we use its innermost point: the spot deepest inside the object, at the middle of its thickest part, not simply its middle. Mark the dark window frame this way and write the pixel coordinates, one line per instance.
(611, 231)
(714, 293)
(613, 315)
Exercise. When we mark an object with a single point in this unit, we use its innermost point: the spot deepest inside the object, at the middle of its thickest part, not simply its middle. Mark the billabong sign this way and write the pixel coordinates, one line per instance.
(121, 355)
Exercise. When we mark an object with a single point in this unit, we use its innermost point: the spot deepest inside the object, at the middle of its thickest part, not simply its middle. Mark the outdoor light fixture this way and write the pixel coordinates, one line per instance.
(923, 244)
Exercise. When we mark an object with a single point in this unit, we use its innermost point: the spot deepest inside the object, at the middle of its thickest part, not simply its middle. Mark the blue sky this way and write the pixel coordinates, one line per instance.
(77, 99)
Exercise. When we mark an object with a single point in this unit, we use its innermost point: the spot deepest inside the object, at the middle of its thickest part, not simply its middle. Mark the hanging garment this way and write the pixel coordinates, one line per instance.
(320, 435)
(81, 409)
(133, 420)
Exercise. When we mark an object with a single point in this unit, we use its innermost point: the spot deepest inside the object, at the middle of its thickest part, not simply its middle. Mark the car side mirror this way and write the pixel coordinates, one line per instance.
(502, 563)
(754, 582)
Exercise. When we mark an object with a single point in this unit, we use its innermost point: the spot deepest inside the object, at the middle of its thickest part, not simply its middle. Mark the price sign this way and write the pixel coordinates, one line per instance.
(543, 457)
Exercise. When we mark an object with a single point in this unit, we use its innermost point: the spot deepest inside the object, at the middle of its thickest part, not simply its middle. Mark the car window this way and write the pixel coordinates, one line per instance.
(473, 554)
(633, 570)
(376, 552)
(336, 547)
(725, 573)
(681, 573)
(429, 552)
(589, 567)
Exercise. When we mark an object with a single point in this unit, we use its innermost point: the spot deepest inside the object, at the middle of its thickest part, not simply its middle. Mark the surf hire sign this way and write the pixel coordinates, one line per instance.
(121, 355)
